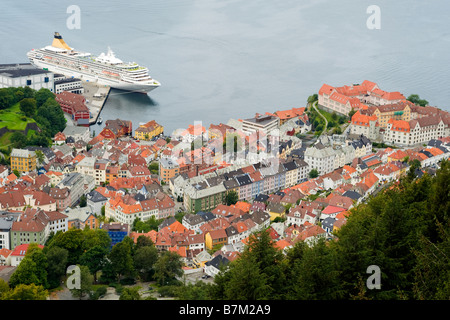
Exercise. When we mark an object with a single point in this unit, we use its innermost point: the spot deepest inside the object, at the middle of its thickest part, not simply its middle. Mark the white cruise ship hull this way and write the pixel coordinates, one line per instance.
(105, 69)
(122, 85)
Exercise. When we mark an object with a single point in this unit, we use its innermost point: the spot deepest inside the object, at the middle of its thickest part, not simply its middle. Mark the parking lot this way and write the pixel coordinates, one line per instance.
(197, 276)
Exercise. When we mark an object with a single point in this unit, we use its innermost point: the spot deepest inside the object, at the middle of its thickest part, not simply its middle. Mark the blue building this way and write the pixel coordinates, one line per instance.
(116, 231)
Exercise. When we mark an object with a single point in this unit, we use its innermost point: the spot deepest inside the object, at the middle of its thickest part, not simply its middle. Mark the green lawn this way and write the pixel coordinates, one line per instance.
(4, 140)
(13, 119)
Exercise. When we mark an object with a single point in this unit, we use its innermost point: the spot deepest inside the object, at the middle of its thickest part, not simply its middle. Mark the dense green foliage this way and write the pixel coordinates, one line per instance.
(231, 198)
(124, 263)
(34, 106)
(414, 98)
(147, 225)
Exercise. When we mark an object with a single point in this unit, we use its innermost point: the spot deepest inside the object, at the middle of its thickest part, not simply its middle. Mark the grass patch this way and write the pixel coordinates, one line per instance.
(13, 119)
(4, 140)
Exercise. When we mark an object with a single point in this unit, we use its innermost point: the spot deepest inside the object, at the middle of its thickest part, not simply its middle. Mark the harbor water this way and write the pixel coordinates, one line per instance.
(218, 59)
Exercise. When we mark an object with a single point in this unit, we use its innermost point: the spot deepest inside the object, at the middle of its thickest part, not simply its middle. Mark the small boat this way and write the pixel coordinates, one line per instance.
(100, 120)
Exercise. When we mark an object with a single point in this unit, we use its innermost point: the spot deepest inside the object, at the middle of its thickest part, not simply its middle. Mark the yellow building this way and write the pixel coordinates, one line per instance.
(216, 237)
(276, 210)
(397, 111)
(148, 131)
(23, 160)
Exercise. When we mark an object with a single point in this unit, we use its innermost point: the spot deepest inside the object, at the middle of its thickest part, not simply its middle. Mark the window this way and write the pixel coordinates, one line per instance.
(46, 79)
(28, 82)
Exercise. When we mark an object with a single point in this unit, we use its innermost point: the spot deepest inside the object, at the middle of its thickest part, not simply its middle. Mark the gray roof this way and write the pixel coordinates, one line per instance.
(75, 130)
(352, 195)
(206, 216)
(193, 219)
(328, 222)
(6, 223)
(16, 73)
(218, 261)
(71, 179)
(231, 231)
(80, 214)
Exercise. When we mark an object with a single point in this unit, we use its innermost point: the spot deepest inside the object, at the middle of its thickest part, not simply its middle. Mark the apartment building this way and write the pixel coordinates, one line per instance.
(23, 160)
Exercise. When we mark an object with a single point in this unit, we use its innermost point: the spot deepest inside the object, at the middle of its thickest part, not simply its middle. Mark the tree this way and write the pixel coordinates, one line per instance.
(121, 259)
(83, 201)
(16, 173)
(40, 157)
(6, 98)
(154, 167)
(131, 293)
(257, 274)
(351, 113)
(313, 275)
(198, 291)
(26, 292)
(86, 281)
(143, 241)
(18, 140)
(168, 267)
(312, 98)
(247, 281)
(414, 98)
(57, 264)
(231, 198)
(144, 260)
(4, 288)
(42, 95)
(95, 259)
(95, 237)
(72, 240)
(50, 117)
(28, 92)
(28, 106)
(314, 173)
(32, 269)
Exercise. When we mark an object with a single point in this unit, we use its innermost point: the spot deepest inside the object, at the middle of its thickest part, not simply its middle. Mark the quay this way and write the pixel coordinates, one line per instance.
(96, 96)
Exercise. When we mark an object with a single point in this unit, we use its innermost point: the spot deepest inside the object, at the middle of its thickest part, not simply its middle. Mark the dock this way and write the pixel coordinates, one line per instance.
(96, 96)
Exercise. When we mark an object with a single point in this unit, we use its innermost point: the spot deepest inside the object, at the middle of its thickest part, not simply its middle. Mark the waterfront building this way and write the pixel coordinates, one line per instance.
(148, 130)
(25, 75)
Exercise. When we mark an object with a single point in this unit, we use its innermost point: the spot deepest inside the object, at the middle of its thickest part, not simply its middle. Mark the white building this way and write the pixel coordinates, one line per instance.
(77, 133)
(322, 159)
(25, 75)
(73, 85)
(260, 123)
(417, 131)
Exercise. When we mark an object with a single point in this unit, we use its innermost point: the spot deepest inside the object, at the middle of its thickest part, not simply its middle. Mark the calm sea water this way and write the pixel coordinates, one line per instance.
(222, 59)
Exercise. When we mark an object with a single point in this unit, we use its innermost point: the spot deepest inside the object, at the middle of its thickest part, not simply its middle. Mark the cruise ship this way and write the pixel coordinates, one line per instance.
(105, 69)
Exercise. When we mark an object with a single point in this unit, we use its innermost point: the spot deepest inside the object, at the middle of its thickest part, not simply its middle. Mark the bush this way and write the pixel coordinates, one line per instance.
(127, 281)
(117, 286)
(100, 291)
(168, 291)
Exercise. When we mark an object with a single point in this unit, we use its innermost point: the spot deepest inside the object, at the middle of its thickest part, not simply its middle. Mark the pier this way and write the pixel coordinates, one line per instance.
(96, 96)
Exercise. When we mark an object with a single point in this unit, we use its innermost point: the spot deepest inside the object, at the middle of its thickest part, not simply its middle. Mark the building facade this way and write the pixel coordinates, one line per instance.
(23, 160)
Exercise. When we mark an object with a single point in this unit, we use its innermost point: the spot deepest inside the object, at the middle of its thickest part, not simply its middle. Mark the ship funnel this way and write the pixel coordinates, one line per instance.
(58, 42)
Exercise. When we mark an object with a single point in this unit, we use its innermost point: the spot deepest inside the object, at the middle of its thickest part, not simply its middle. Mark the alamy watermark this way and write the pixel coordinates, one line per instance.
(374, 20)
(74, 20)
(374, 281)
(74, 277)
(200, 146)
